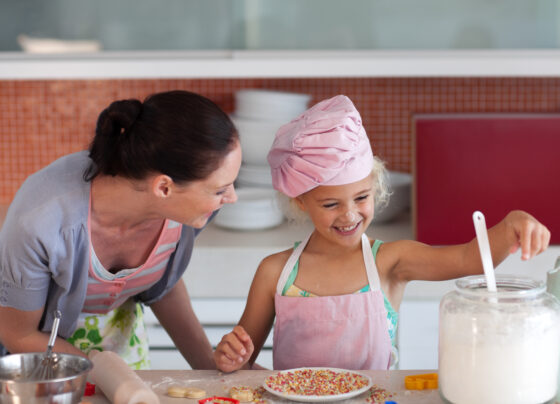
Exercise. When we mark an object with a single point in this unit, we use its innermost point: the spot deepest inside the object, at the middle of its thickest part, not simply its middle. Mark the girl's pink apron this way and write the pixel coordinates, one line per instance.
(345, 331)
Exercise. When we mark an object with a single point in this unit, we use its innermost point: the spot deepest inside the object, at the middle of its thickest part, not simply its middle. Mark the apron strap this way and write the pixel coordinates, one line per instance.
(371, 268)
(290, 265)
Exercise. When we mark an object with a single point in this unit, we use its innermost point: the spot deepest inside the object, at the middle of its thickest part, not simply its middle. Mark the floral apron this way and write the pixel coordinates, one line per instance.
(121, 330)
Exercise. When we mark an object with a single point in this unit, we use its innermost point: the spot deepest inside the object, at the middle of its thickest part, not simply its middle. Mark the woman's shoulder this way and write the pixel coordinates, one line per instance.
(53, 199)
(70, 167)
(61, 182)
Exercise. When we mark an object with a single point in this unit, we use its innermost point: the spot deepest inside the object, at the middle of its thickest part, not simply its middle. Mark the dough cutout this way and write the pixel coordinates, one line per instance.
(243, 394)
(185, 392)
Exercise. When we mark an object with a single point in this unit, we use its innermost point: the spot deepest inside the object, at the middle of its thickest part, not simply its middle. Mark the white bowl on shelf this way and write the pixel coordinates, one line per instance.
(254, 176)
(256, 138)
(266, 105)
(255, 209)
(399, 185)
(55, 45)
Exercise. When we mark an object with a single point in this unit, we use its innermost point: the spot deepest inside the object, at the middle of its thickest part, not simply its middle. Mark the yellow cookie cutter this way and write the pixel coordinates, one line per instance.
(421, 382)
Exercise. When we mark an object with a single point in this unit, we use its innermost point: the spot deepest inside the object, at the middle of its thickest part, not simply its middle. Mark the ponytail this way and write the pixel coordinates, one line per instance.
(178, 133)
(113, 133)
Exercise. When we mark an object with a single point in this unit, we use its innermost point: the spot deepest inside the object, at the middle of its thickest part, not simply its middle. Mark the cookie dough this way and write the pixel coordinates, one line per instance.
(243, 394)
(188, 392)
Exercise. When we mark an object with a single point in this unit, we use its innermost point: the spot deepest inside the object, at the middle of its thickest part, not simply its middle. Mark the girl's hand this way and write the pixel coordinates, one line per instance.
(527, 233)
(234, 350)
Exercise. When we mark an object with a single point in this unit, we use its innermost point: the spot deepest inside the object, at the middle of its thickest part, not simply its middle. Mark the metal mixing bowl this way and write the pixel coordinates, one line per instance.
(66, 386)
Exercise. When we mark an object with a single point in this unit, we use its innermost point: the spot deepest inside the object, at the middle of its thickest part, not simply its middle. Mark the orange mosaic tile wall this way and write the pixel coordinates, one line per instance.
(43, 120)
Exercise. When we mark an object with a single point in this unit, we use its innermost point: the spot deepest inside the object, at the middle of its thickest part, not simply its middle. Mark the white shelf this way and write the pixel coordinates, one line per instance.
(280, 64)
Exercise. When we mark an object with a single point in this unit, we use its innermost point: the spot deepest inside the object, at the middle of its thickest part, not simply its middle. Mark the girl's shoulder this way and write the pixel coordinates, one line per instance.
(392, 247)
(270, 268)
(276, 261)
(389, 254)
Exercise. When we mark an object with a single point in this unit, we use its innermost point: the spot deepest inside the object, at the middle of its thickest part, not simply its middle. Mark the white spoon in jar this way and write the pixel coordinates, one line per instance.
(484, 247)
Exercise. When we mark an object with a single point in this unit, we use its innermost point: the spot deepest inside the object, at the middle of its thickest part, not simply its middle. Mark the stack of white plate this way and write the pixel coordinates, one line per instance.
(256, 138)
(254, 176)
(256, 208)
(258, 115)
(268, 105)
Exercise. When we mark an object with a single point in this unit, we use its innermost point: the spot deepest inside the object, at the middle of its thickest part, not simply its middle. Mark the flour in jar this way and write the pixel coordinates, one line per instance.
(486, 359)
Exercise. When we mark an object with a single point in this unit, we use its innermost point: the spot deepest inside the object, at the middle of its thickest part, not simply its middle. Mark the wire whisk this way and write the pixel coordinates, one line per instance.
(45, 369)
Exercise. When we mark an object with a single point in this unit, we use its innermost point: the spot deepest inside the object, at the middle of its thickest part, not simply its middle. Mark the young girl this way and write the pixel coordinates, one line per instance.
(335, 295)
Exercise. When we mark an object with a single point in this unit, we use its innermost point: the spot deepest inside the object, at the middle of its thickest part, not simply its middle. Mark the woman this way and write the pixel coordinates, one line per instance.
(96, 235)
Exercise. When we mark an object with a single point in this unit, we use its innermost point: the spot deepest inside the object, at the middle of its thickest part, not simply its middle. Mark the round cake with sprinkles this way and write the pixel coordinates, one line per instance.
(316, 382)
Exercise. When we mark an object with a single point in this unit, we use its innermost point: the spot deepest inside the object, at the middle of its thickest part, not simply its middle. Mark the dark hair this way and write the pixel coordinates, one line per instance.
(177, 133)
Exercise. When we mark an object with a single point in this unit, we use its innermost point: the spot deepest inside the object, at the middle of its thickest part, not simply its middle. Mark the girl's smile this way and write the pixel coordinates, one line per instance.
(340, 213)
(347, 230)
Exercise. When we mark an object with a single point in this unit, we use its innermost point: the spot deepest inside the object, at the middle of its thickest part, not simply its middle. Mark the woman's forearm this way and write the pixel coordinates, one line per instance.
(19, 333)
(174, 312)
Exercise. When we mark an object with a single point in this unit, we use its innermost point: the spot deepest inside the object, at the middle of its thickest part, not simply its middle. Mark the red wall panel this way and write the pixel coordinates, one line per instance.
(487, 162)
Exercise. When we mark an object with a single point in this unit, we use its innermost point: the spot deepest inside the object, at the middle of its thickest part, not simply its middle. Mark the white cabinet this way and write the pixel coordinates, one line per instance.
(418, 334)
(217, 315)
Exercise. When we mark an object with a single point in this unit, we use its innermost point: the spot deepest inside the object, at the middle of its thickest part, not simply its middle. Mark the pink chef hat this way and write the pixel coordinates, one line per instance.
(326, 145)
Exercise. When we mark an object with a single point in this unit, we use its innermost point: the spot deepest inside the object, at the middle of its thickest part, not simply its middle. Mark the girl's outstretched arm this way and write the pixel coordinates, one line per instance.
(240, 348)
(410, 260)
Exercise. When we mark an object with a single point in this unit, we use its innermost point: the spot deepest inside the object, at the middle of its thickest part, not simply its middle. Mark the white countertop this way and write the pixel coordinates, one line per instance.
(285, 64)
(218, 384)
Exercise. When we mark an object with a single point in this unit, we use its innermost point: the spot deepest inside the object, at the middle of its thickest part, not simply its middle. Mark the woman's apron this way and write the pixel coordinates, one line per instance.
(121, 330)
(345, 331)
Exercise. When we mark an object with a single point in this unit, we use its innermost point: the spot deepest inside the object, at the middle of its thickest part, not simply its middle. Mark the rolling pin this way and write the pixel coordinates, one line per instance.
(117, 381)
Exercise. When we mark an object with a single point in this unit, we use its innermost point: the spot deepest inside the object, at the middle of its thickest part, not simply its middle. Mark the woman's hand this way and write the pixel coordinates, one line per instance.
(234, 350)
(527, 233)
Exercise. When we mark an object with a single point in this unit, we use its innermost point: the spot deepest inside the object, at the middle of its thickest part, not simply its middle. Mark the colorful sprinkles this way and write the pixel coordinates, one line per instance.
(218, 400)
(258, 395)
(316, 382)
(377, 395)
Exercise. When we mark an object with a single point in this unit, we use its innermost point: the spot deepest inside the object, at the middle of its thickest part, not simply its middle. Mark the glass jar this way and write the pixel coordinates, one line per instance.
(500, 347)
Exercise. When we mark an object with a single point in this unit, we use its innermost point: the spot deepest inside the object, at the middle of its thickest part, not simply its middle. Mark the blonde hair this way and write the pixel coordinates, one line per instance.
(294, 214)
